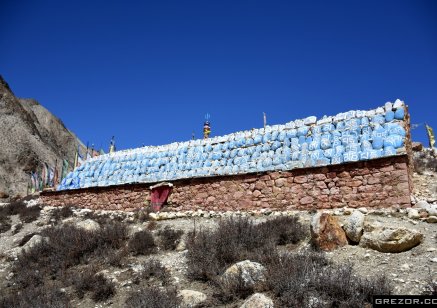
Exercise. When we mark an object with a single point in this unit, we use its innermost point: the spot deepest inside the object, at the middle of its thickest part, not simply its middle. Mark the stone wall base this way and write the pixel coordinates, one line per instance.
(377, 183)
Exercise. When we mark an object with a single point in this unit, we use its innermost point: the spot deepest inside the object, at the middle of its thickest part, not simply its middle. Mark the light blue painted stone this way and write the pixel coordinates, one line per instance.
(400, 114)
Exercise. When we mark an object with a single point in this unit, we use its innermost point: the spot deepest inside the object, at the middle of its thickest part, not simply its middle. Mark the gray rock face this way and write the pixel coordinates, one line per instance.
(252, 273)
(88, 225)
(354, 226)
(30, 136)
(430, 208)
(391, 239)
(258, 300)
(34, 240)
(191, 298)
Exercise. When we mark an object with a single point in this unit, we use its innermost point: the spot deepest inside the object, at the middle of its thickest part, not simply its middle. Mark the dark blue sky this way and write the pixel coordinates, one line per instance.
(148, 71)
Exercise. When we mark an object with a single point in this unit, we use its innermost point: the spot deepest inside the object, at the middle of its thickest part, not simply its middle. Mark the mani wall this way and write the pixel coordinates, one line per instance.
(357, 158)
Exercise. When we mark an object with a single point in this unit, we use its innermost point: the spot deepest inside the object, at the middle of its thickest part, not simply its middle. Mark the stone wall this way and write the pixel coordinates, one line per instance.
(378, 183)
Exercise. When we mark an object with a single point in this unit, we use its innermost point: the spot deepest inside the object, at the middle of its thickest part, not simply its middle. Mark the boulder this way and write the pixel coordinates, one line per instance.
(354, 226)
(182, 245)
(251, 273)
(385, 239)
(88, 225)
(430, 208)
(191, 298)
(413, 214)
(326, 233)
(32, 242)
(258, 300)
(431, 219)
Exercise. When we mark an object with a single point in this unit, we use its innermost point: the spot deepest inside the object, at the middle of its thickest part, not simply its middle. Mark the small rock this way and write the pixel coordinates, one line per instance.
(413, 214)
(191, 298)
(10, 276)
(363, 210)
(431, 249)
(431, 219)
(347, 211)
(433, 260)
(181, 245)
(16, 228)
(258, 300)
(405, 267)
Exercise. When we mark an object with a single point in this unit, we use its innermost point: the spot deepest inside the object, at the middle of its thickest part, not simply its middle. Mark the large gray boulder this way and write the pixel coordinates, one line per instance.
(386, 239)
(258, 300)
(354, 226)
(251, 273)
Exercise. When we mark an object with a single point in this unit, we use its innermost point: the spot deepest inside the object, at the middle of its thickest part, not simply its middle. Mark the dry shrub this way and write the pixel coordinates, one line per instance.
(35, 296)
(153, 297)
(153, 272)
(211, 252)
(5, 223)
(83, 280)
(113, 234)
(63, 212)
(142, 243)
(425, 160)
(30, 214)
(97, 284)
(301, 280)
(169, 238)
(26, 214)
(151, 225)
(67, 246)
(142, 215)
(284, 230)
(103, 288)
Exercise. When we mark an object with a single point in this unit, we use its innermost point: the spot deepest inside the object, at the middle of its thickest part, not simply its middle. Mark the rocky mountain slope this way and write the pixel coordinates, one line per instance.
(29, 136)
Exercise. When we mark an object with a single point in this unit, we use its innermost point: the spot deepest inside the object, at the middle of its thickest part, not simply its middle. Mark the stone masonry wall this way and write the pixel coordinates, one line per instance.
(377, 183)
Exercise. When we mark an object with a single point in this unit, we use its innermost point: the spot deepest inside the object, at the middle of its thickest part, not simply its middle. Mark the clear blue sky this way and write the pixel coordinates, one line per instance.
(148, 71)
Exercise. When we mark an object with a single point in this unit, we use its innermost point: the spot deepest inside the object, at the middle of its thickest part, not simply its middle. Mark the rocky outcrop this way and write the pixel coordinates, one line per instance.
(88, 225)
(326, 233)
(251, 273)
(30, 136)
(386, 239)
(258, 300)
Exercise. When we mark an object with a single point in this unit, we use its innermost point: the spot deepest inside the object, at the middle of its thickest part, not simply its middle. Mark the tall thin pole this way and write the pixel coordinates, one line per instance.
(265, 119)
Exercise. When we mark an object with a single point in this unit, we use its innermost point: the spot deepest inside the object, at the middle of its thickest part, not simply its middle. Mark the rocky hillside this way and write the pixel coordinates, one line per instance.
(30, 136)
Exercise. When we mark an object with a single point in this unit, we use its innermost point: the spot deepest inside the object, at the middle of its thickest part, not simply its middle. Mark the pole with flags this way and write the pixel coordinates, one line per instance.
(112, 145)
(431, 136)
(206, 127)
